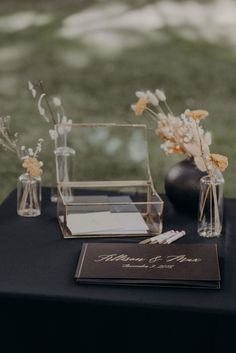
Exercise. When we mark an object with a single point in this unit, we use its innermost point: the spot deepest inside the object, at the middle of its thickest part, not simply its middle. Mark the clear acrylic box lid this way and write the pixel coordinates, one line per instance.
(108, 152)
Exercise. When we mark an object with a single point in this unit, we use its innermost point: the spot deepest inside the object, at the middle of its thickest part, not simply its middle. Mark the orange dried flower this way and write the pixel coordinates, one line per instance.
(197, 114)
(220, 161)
(177, 149)
(162, 136)
(32, 166)
(160, 133)
(141, 105)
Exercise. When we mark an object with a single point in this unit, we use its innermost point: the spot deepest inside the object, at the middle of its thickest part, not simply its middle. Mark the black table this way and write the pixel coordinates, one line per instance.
(44, 310)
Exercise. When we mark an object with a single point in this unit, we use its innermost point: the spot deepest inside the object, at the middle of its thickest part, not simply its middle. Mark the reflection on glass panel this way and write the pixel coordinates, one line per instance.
(111, 152)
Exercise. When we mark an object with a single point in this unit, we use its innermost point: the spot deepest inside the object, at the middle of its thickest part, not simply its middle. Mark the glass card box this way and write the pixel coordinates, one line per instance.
(111, 192)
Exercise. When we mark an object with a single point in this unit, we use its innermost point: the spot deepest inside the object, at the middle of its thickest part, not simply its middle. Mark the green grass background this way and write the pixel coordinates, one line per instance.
(100, 85)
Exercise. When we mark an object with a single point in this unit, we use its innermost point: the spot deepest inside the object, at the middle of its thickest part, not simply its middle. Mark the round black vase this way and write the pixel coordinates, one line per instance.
(182, 184)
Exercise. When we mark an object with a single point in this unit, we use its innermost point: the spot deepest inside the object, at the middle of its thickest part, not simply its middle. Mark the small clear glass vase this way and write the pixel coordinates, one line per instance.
(29, 196)
(210, 214)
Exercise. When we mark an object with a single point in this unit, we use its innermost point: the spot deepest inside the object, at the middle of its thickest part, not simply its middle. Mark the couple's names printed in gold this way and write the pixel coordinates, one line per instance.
(168, 262)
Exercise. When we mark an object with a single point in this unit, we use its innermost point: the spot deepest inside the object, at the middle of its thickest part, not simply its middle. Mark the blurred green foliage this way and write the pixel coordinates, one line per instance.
(99, 84)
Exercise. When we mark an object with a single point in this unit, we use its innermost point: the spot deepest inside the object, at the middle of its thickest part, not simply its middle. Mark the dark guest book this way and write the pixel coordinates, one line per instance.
(149, 265)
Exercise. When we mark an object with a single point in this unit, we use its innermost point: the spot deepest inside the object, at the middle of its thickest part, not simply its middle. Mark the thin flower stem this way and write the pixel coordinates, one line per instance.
(204, 203)
(161, 110)
(47, 102)
(168, 108)
(30, 194)
(62, 111)
(7, 147)
(65, 139)
(152, 115)
(212, 188)
(216, 211)
(211, 218)
(200, 142)
(35, 198)
(24, 197)
(8, 140)
(147, 116)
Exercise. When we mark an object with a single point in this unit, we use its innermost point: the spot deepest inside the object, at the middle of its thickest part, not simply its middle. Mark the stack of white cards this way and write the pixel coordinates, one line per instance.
(97, 223)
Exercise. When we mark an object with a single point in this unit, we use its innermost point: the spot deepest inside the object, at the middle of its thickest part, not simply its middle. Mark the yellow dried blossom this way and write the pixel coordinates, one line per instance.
(177, 149)
(32, 166)
(162, 136)
(197, 114)
(219, 161)
(141, 105)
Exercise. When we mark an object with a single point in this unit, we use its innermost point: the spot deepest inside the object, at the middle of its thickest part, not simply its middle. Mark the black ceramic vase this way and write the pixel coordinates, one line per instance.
(182, 185)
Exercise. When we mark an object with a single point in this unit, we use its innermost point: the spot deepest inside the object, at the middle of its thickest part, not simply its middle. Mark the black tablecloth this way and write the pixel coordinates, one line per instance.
(37, 267)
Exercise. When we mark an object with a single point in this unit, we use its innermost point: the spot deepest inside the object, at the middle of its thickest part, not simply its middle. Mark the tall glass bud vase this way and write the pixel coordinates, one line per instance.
(210, 214)
(64, 170)
(64, 156)
(28, 196)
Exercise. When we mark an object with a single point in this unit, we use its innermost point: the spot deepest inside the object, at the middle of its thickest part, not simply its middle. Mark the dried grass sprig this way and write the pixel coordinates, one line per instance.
(180, 134)
(9, 142)
(52, 111)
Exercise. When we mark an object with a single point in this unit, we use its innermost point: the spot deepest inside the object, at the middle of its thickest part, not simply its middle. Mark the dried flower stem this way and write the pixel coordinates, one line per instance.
(201, 147)
(204, 203)
(24, 197)
(149, 127)
(217, 222)
(216, 209)
(212, 186)
(7, 141)
(29, 191)
(47, 102)
(168, 107)
(152, 115)
(9, 148)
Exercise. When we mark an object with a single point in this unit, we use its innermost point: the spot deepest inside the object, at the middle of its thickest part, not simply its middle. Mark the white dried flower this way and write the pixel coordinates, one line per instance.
(162, 116)
(64, 120)
(68, 128)
(199, 161)
(167, 146)
(141, 94)
(160, 95)
(152, 98)
(133, 107)
(32, 89)
(53, 134)
(61, 130)
(186, 139)
(208, 138)
(30, 151)
(56, 101)
(41, 109)
(193, 149)
(64, 126)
